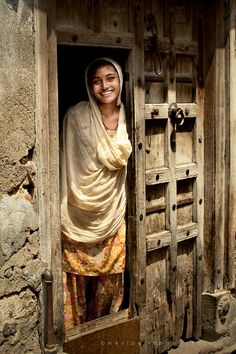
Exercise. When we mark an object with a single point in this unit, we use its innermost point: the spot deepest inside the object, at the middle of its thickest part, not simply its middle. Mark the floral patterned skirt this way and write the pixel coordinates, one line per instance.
(93, 278)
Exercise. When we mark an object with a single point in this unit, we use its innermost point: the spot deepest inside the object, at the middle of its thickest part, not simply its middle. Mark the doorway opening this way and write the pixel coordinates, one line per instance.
(72, 62)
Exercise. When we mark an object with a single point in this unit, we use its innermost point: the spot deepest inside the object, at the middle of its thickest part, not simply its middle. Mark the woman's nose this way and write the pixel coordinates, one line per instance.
(104, 84)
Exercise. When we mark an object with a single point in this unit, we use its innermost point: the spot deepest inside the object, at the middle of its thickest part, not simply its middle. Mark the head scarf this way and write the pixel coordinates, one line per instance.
(93, 171)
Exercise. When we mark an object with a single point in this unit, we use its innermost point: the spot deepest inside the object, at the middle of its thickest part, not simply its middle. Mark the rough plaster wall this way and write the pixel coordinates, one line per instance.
(17, 94)
(20, 266)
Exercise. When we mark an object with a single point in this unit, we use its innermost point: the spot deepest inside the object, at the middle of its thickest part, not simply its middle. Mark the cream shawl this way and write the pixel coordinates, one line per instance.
(93, 172)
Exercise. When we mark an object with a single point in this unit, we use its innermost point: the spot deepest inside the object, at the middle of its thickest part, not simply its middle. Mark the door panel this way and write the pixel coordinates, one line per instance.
(174, 178)
(159, 322)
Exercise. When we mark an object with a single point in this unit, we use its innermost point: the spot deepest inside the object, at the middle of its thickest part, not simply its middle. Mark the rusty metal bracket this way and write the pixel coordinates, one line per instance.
(50, 345)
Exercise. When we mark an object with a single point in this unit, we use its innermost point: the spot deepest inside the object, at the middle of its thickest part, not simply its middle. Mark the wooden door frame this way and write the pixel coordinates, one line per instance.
(47, 144)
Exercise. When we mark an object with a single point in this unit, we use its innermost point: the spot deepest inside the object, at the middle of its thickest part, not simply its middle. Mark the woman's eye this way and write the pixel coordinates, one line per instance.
(111, 78)
(96, 82)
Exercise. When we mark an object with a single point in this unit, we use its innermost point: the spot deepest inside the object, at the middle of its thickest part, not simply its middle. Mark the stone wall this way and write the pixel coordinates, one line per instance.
(20, 266)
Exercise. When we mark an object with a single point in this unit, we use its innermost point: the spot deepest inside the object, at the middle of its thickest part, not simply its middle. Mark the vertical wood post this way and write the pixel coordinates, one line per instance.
(199, 185)
(219, 146)
(47, 145)
(42, 127)
(172, 187)
(232, 149)
(139, 155)
(55, 226)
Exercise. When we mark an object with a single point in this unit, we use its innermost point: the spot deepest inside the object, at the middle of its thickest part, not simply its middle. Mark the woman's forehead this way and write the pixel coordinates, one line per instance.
(104, 69)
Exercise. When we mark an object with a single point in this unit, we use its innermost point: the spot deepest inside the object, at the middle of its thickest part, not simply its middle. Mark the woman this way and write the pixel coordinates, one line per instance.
(95, 152)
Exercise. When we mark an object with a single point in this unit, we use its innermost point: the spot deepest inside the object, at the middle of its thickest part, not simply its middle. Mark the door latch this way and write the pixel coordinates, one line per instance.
(176, 116)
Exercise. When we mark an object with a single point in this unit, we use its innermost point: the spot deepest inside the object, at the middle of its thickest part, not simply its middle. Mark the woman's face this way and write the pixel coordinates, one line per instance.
(105, 84)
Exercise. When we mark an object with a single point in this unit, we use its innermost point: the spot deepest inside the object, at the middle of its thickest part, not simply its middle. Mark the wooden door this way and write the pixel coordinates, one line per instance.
(163, 45)
(174, 171)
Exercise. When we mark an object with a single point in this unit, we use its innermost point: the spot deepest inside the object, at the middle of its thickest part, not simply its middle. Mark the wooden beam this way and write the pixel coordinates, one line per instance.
(172, 193)
(139, 163)
(42, 128)
(47, 151)
(122, 40)
(220, 136)
(55, 227)
(231, 252)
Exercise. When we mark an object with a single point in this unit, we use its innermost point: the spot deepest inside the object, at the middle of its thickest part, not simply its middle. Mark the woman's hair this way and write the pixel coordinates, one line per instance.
(94, 66)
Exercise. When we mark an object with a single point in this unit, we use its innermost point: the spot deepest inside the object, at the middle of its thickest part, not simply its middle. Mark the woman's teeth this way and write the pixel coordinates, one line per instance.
(107, 93)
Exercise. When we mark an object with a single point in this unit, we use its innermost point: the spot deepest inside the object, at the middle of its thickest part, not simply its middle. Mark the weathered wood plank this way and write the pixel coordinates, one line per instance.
(54, 208)
(75, 37)
(139, 156)
(219, 142)
(186, 171)
(171, 211)
(185, 285)
(157, 176)
(189, 48)
(156, 111)
(163, 239)
(185, 143)
(191, 110)
(155, 222)
(96, 325)
(158, 240)
(198, 190)
(149, 77)
(47, 152)
(182, 21)
(155, 198)
(159, 324)
(154, 142)
(185, 198)
(42, 127)
(116, 16)
(232, 153)
(209, 154)
(115, 338)
(187, 231)
(74, 14)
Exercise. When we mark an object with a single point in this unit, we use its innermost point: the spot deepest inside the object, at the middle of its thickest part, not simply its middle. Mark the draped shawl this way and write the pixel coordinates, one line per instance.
(93, 171)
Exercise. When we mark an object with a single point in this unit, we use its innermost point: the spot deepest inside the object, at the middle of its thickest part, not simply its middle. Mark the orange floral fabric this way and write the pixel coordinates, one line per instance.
(106, 257)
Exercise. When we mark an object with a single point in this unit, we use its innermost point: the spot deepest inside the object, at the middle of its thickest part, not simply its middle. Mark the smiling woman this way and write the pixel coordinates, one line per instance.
(94, 159)
(105, 86)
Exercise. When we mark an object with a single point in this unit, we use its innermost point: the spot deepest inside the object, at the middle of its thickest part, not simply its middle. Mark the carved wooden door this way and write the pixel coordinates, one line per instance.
(174, 171)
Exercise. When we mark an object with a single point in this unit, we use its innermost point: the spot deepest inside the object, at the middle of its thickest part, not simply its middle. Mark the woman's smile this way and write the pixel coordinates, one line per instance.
(107, 93)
